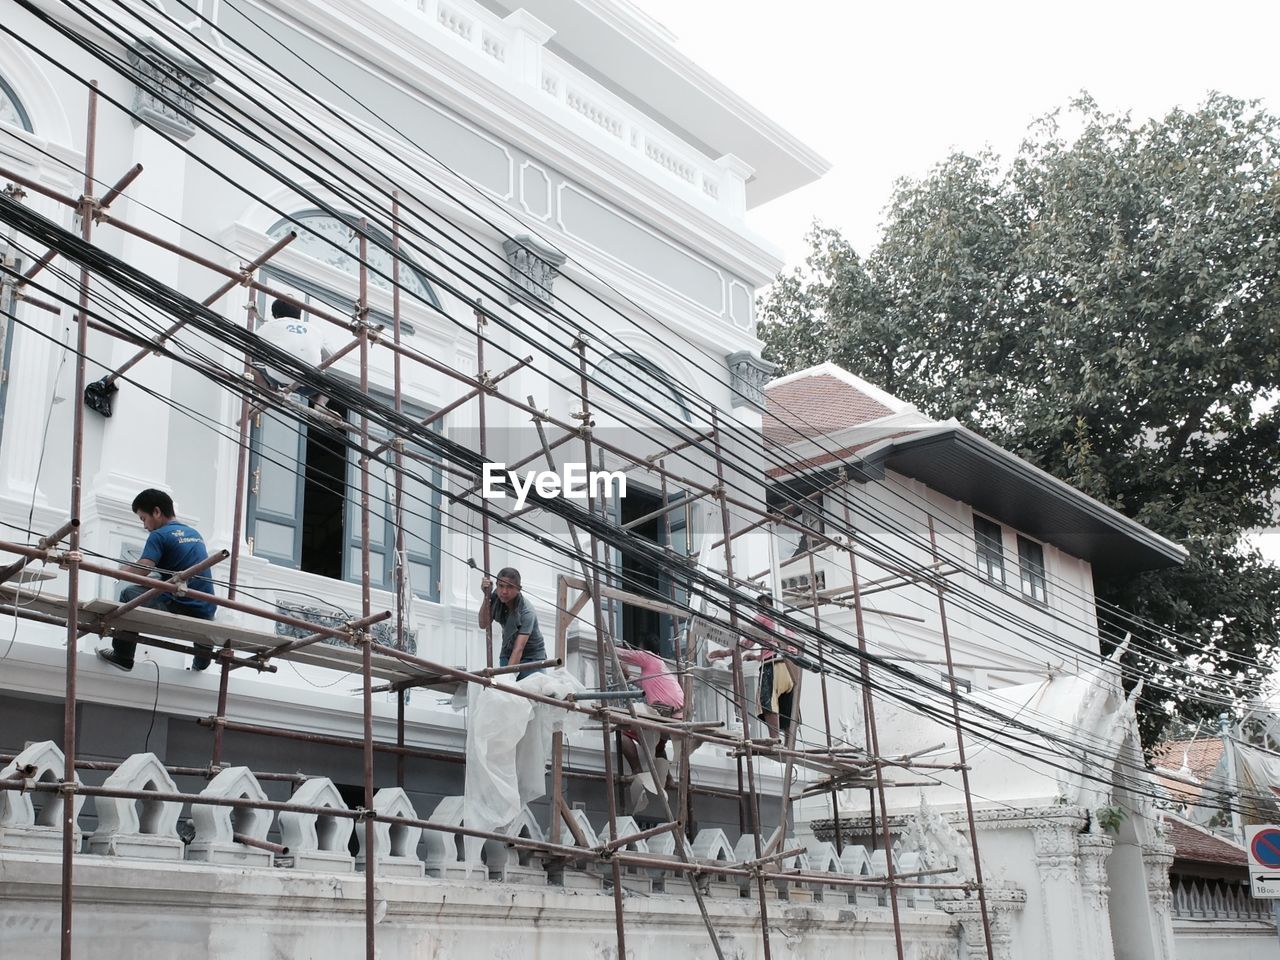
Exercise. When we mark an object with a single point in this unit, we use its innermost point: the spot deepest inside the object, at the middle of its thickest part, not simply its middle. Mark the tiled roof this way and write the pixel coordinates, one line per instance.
(1194, 843)
(815, 405)
(1202, 755)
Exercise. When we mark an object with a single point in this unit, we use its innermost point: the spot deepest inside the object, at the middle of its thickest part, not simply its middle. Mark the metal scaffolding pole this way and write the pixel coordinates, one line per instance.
(580, 346)
(873, 740)
(68, 796)
(747, 745)
(960, 749)
(366, 605)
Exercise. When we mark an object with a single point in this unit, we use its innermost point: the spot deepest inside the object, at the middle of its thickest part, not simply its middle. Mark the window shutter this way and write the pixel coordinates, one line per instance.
(276, 478)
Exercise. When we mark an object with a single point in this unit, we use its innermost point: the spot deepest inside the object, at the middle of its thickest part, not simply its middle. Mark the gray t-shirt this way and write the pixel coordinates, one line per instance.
(519, 619)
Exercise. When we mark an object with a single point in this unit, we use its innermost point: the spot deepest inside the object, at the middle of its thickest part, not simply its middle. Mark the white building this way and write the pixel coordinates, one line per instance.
(563, 155)
(1073, 846)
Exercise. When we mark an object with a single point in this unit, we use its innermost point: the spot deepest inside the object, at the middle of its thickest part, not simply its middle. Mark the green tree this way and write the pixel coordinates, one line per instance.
(1105, 305)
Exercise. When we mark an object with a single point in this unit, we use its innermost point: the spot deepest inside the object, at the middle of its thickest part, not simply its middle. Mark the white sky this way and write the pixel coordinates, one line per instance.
(885, 90)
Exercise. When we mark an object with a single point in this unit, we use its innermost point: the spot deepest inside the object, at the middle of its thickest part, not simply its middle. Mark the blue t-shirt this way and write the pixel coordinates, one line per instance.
(173, 548)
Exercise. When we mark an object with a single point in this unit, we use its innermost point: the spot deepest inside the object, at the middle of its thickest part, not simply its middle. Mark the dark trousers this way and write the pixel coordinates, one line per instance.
(125, 643)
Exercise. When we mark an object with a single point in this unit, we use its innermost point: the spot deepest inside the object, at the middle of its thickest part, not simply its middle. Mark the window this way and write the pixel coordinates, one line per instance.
(11, 110)
(334, 240)
(304, 505)
(640, 382)
(1031, 570)
(639, 626)
(304, 481)
(990, 542)
(794, 543)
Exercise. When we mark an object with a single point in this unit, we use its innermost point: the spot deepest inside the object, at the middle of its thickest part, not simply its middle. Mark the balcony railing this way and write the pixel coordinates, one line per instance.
(515, 45)
(1217, 900)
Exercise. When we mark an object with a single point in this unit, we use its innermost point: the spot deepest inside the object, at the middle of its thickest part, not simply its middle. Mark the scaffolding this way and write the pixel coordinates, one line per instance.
(396, 670)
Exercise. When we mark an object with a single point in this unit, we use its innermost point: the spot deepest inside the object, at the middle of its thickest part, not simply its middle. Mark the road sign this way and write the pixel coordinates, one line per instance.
(1263, 847)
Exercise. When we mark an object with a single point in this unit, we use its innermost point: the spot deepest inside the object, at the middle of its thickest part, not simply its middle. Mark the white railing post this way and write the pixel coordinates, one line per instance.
(529, 36)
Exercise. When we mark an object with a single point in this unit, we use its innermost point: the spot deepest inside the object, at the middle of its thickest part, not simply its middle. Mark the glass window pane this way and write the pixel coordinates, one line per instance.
(1031, 567)
(989, 542)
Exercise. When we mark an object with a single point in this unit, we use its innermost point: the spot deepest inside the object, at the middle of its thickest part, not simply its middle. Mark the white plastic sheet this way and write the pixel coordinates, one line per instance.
(508, 743)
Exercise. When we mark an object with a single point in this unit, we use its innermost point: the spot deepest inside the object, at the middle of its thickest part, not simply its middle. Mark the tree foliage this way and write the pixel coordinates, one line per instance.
(1105, 305)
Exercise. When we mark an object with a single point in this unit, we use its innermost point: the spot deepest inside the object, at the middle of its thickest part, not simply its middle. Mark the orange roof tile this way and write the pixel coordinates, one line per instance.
(816, 405)
(1202, 755)
(1195, 843)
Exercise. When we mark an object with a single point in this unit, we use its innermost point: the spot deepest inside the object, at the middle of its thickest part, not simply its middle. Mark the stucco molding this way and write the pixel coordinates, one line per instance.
(163, 75)
(750, 375)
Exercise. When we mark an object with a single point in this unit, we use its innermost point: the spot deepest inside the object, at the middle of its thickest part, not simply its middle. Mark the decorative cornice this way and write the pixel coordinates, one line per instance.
(162, 71)
(999, 818)
(384, 633)
(749, 375)
(532, 266)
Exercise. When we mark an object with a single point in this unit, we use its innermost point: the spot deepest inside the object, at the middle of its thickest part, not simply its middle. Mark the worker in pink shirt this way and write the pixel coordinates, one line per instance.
(778, 676)
(661, 691)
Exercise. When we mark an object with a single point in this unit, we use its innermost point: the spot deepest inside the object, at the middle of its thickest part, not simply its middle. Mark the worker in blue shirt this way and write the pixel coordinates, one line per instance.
(171, 547)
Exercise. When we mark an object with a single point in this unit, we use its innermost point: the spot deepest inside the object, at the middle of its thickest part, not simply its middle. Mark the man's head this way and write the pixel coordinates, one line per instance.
(508, 584)
(281, 309)
(764, 600)
(154, 508)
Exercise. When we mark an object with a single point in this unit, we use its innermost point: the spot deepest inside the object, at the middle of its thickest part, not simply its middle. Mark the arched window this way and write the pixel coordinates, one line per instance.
(11, 109)
(640, 381)
(334, 241)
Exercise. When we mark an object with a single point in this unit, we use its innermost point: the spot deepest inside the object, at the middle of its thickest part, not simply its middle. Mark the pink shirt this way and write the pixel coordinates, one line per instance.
(767, 646)
(656, 679)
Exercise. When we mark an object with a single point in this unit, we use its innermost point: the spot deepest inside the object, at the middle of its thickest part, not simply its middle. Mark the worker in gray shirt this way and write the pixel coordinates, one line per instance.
(521, 638)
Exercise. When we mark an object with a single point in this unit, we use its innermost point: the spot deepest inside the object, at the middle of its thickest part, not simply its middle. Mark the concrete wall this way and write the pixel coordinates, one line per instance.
(268, 914)
(1224, 940)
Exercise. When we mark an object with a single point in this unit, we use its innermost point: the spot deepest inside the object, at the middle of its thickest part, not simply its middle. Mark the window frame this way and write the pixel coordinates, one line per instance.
(989, 551)
(1030, 575)
(20, 111)
(619, 371)
(384, 519)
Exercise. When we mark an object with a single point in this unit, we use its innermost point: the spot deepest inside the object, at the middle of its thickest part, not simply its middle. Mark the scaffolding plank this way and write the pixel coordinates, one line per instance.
(147, 621)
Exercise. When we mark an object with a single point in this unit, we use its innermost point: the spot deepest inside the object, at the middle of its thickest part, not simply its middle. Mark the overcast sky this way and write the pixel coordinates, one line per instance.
(884, 90)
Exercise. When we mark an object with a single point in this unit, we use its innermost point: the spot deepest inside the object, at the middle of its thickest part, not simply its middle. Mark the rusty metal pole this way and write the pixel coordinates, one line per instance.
(754, 796)
(826, 703)
(402, 556)
(366, 645)
(485, 548)
(242, 457)
(873, 738)
(68, 797)
(964, 766)
(684, 803)
(601, 653)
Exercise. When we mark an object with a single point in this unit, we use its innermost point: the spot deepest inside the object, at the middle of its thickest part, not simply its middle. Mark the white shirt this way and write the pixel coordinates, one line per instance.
(293, 336)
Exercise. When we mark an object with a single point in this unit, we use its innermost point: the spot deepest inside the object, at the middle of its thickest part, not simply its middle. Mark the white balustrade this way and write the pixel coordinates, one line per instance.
(32, 821)
(316, 841)
(138, 828)
(516, 45)
(395, 845)
(218, 826)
